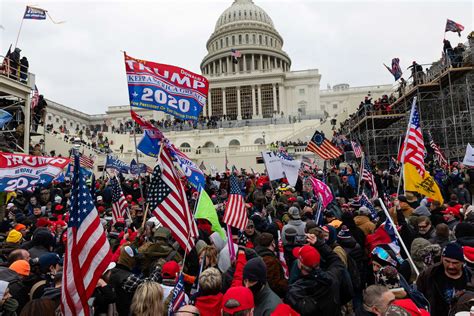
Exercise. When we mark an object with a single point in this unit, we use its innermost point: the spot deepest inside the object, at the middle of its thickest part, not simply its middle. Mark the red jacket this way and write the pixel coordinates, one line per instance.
(209, 305)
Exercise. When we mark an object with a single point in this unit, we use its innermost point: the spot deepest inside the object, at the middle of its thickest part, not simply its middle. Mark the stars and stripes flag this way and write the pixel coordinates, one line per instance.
(369, 179)
(356, 148)
(235, 54)
(86, 162)
(235, 213)
(452, 26)
(321, 146)
(87, 252)
(35, 98)
(119, 203)
(169, 204)
(364, 201)
(438, 154)
(414, 149)
(145, 125)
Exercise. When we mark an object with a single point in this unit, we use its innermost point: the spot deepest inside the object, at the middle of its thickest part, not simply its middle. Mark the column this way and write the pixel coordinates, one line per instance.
(220, 65)
(245, 62)
(261, 62)
(239, 105)
(259, 93)
(253, 62)
(274, 98)
(281, 94)
(254, 105)
(209, 104)
(269, 62)
(228, 67)
(224, 109)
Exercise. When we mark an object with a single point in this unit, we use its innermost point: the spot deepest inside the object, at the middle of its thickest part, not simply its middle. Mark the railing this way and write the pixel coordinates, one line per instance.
(13, 69)
(363, 113)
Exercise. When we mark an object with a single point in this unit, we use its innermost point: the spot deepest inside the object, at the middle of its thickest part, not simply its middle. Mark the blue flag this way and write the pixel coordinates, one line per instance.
(34, 13)
(364, 201)
(134, 167)
(117, 164)
(190, 169)
(5, 117)
(178, 298)
(149, 144)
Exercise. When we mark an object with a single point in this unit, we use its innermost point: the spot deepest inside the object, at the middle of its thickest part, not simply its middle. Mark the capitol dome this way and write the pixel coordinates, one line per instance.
(247, 28)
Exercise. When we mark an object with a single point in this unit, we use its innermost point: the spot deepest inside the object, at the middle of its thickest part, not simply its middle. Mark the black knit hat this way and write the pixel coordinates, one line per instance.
(255, 270)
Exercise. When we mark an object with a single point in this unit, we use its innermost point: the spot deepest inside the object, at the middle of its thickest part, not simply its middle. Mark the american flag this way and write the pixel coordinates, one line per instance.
(168, 201)
(177, 300)
(119, 203)
(356, 148)
(364, 201)
(323, 147)
(281, 257)
(145, 125)
(438, 154)
(235, 213)
(86, 162)
(452, 26)
(235, 53)
(414, 149)
(87, 252)
(35, 98)
(369, 179)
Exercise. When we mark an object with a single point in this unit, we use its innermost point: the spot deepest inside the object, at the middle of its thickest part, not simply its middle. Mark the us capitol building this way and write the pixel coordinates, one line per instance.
(257, 101)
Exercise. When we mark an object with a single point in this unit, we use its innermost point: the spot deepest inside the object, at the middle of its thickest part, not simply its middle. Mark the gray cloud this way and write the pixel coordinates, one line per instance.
(80, 63)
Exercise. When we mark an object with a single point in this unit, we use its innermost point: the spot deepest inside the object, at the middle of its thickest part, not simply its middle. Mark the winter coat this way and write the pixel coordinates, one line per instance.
(298, 225)
(318, 292)
(428, 284)
(364, 223)
(275, 274)
(265, 301)
(104, 296)
(124, 299)
(209, 305)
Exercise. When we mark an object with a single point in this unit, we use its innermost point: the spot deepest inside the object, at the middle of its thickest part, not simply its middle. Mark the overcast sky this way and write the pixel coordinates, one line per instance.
(80, 64)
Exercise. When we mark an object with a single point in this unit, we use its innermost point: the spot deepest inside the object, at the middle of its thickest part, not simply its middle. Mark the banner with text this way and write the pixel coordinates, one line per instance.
(22, 172)
(166, 88)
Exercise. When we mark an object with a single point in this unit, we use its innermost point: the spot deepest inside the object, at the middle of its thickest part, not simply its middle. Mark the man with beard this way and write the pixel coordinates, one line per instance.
(443, 282)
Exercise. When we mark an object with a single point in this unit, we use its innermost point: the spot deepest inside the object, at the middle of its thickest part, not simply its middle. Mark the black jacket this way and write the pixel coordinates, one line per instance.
(124, 299)
(318, 292)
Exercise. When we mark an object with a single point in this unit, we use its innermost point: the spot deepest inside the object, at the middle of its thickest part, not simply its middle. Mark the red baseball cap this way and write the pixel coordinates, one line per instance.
(170, 270)
(307, 255)
(242, 295)
(284, 310)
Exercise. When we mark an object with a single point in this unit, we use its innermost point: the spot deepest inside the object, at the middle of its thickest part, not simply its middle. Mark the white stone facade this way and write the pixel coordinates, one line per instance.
(259, 94)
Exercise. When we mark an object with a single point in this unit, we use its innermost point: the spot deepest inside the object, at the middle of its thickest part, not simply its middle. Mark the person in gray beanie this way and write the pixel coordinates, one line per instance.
(296, 223)
(255, 278)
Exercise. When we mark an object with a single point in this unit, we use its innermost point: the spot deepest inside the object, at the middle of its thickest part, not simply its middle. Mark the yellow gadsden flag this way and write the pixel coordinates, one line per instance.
(426, 185)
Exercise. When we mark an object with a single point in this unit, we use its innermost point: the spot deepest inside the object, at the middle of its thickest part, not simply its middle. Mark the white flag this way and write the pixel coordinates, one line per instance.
(291, 169)
(469, 156)
(273, 165)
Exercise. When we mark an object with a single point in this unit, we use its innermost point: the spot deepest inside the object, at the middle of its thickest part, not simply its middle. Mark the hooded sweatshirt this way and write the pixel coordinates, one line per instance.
(364, 223)
(209, 305)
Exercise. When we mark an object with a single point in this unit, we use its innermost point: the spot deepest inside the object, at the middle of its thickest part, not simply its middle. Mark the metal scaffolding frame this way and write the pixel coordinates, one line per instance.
(446, 106)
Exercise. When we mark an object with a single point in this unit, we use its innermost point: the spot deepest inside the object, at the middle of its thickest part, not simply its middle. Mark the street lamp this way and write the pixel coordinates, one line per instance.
(263, 135)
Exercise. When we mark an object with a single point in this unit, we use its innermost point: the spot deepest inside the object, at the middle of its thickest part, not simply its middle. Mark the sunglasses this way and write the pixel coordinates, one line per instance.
(384, 255)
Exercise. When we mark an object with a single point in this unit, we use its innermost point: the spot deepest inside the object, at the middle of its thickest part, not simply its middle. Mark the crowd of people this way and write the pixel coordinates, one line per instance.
(287, 261)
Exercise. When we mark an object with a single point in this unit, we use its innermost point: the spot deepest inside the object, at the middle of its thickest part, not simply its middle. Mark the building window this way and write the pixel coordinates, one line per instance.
(246, 102)
(57, 120)
(334, 106)
(271, 41)
(267, 100)
(240, 39)
(216, 101)
(49, 118)
(301, 91)
(246, 38)
(231, 102)
(233, 40)
(266, 40)
(253, 38)
(260, 39)
(227, 42)
(222, 43)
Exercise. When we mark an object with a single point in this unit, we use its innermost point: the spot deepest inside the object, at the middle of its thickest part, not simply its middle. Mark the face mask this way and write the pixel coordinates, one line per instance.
(256, 288)
(455, 172)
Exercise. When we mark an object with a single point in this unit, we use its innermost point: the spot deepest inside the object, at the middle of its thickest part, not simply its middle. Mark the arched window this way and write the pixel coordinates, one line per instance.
(185, 145)
(253, 39)
(234, 143)
(246, 38)
(260, 39)
(259, 141)
(209, 145)
(222, 43)
(233, 40)
(226, 42)
(240, 39)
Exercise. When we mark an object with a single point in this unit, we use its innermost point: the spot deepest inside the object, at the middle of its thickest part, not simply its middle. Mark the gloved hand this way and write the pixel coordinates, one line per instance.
(10, 305)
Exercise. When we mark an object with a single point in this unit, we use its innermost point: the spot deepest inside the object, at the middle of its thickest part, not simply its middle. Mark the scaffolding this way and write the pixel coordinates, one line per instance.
(446, 104)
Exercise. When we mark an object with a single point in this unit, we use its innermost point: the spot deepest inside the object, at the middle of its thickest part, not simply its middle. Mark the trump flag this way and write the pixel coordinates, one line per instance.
(166, 88)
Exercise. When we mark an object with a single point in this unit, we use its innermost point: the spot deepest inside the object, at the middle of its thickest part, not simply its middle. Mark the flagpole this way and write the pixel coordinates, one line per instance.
(399, 237)
(19, 31)
(404, 147)
(360, 172)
